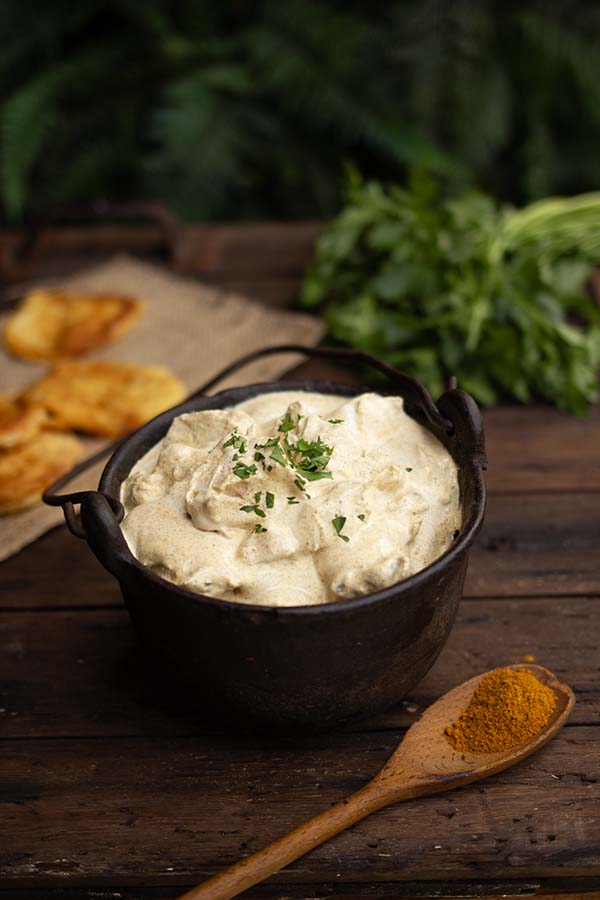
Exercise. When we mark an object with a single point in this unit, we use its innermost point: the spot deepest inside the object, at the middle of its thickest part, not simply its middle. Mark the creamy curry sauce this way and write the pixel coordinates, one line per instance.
(292, 498)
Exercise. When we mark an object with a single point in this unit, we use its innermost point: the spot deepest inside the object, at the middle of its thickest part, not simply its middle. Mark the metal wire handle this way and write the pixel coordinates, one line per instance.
(355, 357)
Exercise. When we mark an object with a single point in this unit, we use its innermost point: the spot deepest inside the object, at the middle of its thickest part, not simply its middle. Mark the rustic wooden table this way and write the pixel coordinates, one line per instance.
(110, 789)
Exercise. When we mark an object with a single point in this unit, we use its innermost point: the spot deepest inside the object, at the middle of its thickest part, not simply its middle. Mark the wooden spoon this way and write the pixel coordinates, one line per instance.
(424, 763)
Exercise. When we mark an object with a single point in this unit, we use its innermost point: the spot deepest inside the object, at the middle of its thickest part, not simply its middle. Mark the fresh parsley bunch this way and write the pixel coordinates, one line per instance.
(465, 287)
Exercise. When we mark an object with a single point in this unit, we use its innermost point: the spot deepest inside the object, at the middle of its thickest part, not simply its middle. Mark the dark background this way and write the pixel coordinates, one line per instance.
(249, 110)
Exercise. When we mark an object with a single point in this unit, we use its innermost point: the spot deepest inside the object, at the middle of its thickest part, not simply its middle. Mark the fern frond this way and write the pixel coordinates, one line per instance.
(26, 120)
(314, 59)
(203, 134)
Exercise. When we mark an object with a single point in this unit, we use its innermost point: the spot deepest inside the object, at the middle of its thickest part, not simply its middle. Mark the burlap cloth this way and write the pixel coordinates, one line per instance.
(194, 329)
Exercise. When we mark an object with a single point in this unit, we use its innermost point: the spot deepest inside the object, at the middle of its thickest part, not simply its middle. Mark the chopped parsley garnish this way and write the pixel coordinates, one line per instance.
(278, 456)
(258, 528)
(310, 458)
(243, 471)
(254, 509)
(361, 516)
(338, 523)
(287, 423)
(315, 476)
(335, 421)
(408, 469)
(237, 441)
(292, 501)
(257, 496)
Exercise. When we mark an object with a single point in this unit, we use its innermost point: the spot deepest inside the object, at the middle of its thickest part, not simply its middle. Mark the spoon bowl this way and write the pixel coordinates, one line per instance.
(424, 763)
(427, 758)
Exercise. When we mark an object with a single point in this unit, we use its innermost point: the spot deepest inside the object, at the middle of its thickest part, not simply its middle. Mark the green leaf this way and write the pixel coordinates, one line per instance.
(243, 471)
(338, 523)
(277, 455)
(287, 423)
(27, 118)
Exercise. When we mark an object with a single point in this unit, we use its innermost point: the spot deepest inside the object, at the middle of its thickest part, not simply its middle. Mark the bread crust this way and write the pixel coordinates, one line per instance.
(28, 469)
(52, 324)
(19, 423)
(104, 398)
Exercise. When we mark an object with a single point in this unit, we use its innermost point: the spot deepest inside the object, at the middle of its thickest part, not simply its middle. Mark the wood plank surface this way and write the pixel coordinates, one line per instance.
(111, 790)
(137, 810)
(540, 449)
(407, 890)
(537, 544)
(95, 682)
(222, 252)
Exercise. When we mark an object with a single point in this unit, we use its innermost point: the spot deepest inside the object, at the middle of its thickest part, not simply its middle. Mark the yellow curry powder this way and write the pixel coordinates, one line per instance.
(508, 708)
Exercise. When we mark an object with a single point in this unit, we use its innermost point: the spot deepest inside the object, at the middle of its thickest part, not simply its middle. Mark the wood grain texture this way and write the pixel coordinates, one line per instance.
(407, 890)
(135, 810)
(540, 449)
(423, 764)
(56, 570)
(82, 673)
(88, 815)
(267, 247)
(206, 251)
(534, 544)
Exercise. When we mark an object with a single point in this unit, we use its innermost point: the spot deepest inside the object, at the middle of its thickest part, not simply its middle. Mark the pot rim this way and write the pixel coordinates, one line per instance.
(473, 467)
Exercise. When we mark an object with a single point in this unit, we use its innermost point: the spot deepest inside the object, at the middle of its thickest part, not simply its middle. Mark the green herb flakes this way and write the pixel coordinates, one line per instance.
(315, 476)
(243, 471)
(287, 423)
(270, 500)
(237, 441)
(338, 523)
(277, 455)
(258, 528)
(254, 509)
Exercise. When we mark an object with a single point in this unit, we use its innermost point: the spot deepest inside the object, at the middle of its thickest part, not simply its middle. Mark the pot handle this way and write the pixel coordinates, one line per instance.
(417, 397)
(101, 529)
(468, 437)
(456, 415)
(99, 517)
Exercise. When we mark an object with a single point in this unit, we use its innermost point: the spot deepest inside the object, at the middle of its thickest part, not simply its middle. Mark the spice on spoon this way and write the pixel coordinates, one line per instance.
(508, 708)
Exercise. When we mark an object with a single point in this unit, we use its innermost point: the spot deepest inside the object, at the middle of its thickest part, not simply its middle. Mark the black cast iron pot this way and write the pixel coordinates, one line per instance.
(305, 666)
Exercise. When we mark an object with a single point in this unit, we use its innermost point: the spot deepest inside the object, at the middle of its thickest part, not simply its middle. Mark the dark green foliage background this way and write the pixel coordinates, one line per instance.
(240, 110)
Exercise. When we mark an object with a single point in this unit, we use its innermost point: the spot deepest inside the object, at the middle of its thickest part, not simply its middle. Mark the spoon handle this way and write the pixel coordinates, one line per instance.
(275, 856)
